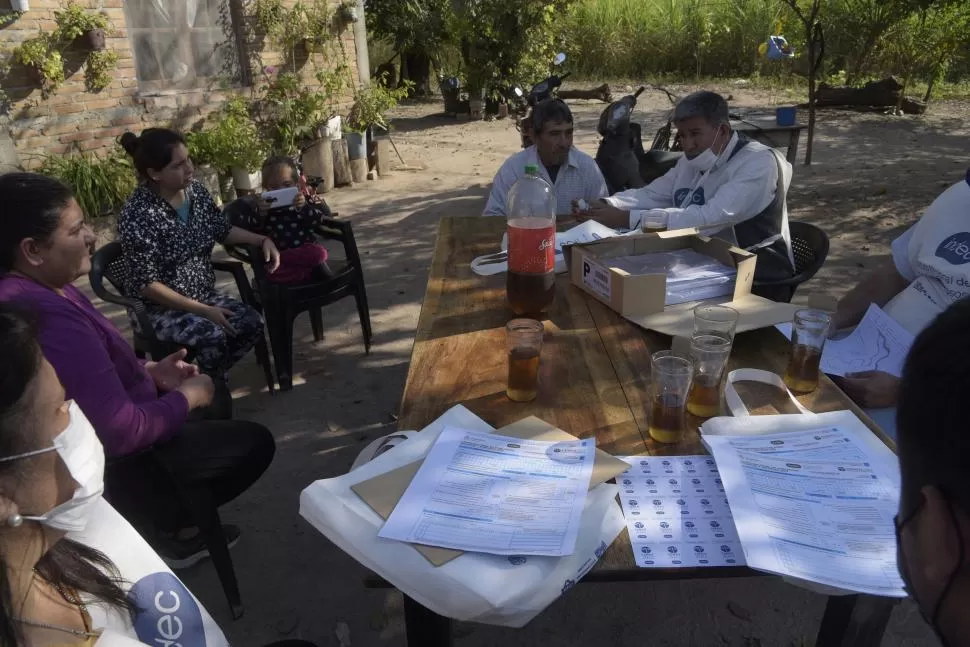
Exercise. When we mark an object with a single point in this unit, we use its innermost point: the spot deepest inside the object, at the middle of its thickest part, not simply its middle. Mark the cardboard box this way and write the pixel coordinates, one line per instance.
(642, 298)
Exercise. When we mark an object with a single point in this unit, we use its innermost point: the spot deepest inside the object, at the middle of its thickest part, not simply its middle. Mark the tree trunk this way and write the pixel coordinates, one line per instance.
(812, 81)
(416, 67)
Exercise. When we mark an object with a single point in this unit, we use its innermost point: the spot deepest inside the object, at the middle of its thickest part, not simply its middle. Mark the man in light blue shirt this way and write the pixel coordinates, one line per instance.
(573, 175)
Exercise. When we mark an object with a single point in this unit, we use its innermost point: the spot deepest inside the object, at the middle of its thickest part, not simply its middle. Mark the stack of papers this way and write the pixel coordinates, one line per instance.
(496, 494)
(815, 504)
(677, 513)
(691, 276)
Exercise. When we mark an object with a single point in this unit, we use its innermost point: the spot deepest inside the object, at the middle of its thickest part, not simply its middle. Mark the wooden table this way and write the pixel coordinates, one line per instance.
(769, 133)
(594, 372)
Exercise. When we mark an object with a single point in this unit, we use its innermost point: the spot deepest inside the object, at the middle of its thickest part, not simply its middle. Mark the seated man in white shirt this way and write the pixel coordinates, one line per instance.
(572, 174)
(930, 270)
(725, 185)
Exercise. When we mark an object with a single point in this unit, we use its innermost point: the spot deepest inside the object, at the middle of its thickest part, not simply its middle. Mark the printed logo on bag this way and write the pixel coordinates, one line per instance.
(168, 615)
(955, 249)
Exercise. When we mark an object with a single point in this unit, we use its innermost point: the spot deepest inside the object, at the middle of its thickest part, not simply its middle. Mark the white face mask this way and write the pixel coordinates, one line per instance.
(707, 160)
(82, 453)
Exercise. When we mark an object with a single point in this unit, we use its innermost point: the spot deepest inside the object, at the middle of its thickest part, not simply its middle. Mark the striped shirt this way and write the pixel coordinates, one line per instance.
(579, 178)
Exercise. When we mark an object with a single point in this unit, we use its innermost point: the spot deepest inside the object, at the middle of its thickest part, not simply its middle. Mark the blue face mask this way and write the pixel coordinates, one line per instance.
(931, 618)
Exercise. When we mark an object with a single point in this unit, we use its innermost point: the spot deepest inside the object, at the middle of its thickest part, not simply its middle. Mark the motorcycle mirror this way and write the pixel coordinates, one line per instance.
(560, 59)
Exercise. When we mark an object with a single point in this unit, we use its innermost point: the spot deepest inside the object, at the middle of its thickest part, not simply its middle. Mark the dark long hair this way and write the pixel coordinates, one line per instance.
(68, 563)
(31, 208)
(151, 150)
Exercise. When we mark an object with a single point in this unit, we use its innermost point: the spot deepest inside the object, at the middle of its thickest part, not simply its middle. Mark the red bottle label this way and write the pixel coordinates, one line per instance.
(532, 251)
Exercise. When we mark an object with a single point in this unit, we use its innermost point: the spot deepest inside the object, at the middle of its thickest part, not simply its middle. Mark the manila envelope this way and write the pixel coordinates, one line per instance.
(383, 492)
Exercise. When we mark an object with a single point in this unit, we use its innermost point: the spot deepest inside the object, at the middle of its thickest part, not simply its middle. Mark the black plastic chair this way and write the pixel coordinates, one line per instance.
(127, 480)
(282, 303)
(810, 246)
(107, 263)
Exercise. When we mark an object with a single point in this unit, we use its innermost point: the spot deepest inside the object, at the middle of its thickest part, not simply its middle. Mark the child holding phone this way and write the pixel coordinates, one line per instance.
(290, 226)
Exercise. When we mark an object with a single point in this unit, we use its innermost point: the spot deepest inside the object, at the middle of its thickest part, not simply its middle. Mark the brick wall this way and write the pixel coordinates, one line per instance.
(72, 118)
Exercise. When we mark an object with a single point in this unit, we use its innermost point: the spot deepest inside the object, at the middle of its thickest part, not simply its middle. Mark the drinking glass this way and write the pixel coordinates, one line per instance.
(810, 329)
(709, 354)
(715, 320)
(525, 345)
(670, 381)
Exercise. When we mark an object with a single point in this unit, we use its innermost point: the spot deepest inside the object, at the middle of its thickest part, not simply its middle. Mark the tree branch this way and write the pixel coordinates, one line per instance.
(798, 12)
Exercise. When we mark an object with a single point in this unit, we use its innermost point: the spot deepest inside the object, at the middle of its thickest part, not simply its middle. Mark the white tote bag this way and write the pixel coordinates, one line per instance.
(493, 589)
(168, 614)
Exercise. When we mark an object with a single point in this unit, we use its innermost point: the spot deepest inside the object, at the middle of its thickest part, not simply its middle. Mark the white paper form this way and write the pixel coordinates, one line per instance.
(878, 343)
(677, 513)
(815, 504)
(490, 493)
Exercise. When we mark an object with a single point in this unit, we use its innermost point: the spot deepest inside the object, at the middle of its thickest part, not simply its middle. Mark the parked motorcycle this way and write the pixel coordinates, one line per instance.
(541, 91)
(621, 156)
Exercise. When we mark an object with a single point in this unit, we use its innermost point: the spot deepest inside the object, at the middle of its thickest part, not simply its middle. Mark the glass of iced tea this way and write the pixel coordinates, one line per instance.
(653, 224)
(710, 355)
(670, 380)
(525, 344)
(810, 329)
(715, 320)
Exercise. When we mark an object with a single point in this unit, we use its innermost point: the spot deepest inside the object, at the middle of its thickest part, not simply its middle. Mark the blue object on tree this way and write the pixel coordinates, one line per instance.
(779, 49)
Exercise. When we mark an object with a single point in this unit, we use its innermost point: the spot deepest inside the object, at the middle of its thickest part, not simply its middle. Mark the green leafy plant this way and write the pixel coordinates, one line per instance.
(235, 139)
(371, 104)
(288, 112)
(269, 17)
(40, 54)
(101, 184)
(74, 21)
(203, 147)
(97, 69)
(302, 24)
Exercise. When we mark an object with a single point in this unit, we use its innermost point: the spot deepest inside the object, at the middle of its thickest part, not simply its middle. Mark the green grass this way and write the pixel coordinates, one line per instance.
(687, 38)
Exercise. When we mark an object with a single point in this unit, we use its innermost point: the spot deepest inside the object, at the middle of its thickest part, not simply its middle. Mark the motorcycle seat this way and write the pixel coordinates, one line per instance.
(661, 158)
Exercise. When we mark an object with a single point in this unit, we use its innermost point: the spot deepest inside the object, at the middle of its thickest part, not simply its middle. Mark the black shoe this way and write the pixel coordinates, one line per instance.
(182, 553)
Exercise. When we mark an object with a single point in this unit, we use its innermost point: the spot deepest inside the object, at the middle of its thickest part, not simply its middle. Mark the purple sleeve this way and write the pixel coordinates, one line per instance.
(78, 354)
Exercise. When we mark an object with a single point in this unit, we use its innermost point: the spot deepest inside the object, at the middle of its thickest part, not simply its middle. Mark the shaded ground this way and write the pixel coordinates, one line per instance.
(872, 177)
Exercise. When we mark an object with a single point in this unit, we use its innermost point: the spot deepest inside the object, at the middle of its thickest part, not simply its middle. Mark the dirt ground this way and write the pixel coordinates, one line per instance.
(873, 175)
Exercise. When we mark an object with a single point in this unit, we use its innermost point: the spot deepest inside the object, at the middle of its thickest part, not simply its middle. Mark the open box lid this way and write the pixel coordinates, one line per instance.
(647, 294)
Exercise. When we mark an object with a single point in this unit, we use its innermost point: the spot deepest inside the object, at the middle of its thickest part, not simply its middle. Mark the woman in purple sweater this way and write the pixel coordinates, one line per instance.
(132, 404)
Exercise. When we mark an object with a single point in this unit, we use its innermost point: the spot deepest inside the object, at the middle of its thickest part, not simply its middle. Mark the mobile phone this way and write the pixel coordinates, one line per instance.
(281, 197)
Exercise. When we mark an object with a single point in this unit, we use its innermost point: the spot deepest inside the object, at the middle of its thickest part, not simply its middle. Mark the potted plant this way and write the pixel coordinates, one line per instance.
(204, 151)
(46, 63)
(371, 104)
(76, 24)
(289, 114)
(236, 144)
(347, 11)
(97, 69)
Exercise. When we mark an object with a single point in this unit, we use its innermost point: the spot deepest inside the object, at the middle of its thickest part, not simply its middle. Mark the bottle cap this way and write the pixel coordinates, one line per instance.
(531, 169)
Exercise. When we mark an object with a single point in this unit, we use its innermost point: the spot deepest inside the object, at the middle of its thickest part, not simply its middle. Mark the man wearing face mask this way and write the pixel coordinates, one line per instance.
(933, 525)
(725, 185)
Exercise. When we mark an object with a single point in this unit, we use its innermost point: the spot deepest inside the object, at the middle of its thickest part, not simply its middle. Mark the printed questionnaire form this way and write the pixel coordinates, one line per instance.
(496, 494)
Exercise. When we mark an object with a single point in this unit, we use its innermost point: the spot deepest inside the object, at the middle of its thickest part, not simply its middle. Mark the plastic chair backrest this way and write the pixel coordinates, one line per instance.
(108, 263)
(810, 246)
